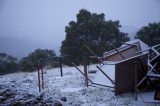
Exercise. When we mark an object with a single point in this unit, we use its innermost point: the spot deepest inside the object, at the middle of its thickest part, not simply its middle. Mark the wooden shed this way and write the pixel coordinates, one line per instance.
(123, 73)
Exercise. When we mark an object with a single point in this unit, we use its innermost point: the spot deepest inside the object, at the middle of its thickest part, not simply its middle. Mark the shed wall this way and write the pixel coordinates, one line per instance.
(125, 73)
(130, 52)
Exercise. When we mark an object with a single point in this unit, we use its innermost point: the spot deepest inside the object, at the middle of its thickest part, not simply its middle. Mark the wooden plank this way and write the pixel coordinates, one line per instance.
(125, 73)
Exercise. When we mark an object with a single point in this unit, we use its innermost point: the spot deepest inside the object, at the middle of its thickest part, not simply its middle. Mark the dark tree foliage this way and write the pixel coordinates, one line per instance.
(93, 30)
(150, 34)
(45, 57)
(8, 64)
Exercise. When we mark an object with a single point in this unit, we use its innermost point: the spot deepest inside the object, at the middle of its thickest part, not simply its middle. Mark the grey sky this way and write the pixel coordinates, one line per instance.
(41, 23)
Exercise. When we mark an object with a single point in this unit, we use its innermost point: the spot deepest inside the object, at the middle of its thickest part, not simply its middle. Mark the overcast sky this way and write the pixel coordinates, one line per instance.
(32, 24)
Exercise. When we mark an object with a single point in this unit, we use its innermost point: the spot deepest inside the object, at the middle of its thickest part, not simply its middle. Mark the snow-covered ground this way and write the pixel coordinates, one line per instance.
(68, 90)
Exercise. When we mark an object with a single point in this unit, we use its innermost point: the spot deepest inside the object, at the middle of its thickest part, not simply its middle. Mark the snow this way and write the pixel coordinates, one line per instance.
(142, 44)
(71, 86)
(70, 89)
(100, 78)
(143, 47)
(148, 96)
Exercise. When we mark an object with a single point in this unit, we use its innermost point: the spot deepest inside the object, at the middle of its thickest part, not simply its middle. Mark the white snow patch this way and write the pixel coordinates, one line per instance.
(71, 89)
(100, 78)
(142, 44)
(148, 97)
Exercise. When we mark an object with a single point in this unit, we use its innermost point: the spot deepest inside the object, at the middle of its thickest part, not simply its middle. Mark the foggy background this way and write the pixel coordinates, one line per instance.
(26, 25)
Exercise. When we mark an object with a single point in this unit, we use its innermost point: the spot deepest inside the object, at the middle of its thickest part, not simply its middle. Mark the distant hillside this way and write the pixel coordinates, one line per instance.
(130, 30)
(20, 47)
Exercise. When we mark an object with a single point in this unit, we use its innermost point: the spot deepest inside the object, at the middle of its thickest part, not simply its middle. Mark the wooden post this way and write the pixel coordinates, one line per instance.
(39, 81)
(106, 75)
(42, 76)
(135, 80)
(94, 54)
(89, 80)
(81, 72)
(85, 71)
(60, 65)
(118, 52)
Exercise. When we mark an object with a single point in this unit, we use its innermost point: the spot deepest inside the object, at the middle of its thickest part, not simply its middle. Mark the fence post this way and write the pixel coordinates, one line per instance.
(39, 81)
(60, 65)
(85, 71)
(40, 76)
(135, 93)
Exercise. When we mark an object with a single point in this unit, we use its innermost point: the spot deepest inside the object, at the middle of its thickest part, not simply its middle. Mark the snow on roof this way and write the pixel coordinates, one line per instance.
(142, 46)
(111, 52)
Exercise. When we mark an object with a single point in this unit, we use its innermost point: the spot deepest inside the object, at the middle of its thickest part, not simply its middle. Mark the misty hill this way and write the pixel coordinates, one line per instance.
(130, 30)
(21, 46)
